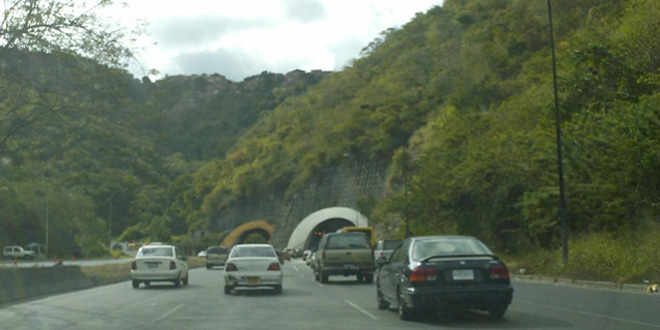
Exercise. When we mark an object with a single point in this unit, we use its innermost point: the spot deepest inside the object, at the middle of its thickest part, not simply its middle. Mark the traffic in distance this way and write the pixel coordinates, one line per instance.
(416, 277)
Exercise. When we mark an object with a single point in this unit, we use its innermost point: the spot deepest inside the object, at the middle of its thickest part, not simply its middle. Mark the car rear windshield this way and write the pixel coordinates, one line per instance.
(156, 252)
(253, 251)
(448, 247)
(348, 241)
(391, 244)
(216, 250)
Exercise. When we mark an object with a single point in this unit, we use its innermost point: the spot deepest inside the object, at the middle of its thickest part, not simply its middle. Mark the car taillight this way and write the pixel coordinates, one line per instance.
(134, 265)
(423, 274)
(231, 267)
(172, 264)
(323, 254)
(498, 273)
(274, 266)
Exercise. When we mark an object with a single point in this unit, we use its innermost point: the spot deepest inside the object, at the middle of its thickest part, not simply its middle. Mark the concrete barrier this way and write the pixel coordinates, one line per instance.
(23, 283)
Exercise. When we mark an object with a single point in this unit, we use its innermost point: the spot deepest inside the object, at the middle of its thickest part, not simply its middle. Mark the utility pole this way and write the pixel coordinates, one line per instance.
(404, 169)
(405, 196)
(47, 224)
(562, 200)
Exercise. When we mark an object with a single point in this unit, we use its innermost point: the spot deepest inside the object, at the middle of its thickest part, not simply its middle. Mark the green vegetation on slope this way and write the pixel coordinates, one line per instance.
(458, 101)
(87, 150)
(465, 90)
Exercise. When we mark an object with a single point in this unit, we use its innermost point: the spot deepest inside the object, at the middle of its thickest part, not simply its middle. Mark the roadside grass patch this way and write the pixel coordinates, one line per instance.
(621, 257)
(114, 273)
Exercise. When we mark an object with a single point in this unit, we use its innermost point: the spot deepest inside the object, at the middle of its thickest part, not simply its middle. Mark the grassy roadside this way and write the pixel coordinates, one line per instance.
(114, 273)
(624, 257)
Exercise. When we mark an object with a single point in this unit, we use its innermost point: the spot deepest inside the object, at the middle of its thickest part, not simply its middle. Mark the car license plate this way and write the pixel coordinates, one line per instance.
(350, 267)
(253, 280)
(152, 265)
(463, 275)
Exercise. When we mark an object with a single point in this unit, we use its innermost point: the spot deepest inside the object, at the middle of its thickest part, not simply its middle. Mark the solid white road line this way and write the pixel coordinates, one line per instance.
(170, 312)
(572, 310)
(361, 310)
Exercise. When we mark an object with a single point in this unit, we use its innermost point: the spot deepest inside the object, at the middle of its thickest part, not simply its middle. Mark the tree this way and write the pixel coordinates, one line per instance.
(65, 27)
(69, 26)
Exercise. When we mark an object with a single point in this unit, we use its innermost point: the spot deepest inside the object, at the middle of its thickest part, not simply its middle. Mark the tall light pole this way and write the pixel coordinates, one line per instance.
(46, 224)
(562, 200)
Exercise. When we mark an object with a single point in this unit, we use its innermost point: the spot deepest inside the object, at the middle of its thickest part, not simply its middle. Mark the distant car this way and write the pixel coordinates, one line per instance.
(443, 274)
(159, 263)
(385, 247)
(308, 260)
(216, 256)
(253, 265)
(312, 261)
(201, 253)
(344, 254)
(17, 252)
(306, 254)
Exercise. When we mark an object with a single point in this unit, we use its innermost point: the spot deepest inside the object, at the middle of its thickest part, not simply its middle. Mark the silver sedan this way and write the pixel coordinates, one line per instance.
(253, 266)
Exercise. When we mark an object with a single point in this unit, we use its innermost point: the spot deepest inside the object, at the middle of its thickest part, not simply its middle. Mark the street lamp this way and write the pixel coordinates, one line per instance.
(562, 200)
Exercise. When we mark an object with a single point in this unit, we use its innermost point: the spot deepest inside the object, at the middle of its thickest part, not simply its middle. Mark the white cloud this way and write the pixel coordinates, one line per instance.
(242, 38)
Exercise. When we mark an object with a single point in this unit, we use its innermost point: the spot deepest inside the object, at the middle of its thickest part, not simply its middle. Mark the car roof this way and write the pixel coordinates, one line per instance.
(431, 237)
(254, 245)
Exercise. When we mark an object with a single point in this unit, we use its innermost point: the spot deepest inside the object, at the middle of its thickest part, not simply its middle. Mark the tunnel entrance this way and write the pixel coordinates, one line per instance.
(306, 235)
(254, 236)
(256, 231)
(327, 226)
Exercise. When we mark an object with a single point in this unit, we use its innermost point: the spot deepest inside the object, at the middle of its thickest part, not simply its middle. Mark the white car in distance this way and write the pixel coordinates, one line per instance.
(159, 263)
(253, 266)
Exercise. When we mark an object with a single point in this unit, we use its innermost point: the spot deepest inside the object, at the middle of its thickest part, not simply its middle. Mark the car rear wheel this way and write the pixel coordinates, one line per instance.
(405, 313)
(278, 289)
(316, 276)
(177, 283)
(324, 277)
(496, 312)
(369, 278)
(228, 289)
(360, 277)
(208, 266)
(136, 284)
(185, 280)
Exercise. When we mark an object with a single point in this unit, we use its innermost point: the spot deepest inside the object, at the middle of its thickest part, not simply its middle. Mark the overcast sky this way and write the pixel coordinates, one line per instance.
(240, 38)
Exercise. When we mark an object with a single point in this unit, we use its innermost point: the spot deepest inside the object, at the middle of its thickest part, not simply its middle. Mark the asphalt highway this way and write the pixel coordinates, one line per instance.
(306, 304)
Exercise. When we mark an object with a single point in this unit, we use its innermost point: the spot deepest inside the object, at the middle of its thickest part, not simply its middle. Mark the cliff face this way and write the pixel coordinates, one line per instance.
(344, 185)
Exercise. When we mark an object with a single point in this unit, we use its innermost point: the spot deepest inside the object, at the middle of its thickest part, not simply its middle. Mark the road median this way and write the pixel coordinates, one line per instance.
(626, 287)
(19, 284)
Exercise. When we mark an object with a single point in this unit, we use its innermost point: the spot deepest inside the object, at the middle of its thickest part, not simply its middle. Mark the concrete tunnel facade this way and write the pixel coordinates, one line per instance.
(332, 216)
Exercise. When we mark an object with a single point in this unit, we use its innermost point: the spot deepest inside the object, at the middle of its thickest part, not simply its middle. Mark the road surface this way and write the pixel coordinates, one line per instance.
(306, 304)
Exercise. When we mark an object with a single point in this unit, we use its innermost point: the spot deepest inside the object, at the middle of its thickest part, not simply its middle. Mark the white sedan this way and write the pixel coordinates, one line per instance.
(253, 265)
(159, 263)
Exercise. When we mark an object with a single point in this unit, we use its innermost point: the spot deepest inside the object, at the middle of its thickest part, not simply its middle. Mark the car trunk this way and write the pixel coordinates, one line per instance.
(347, 256)
(153, 263)
(253, 264)
(461, 272)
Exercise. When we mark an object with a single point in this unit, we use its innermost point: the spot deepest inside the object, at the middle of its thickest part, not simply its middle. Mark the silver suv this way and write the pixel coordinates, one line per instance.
(17, 252)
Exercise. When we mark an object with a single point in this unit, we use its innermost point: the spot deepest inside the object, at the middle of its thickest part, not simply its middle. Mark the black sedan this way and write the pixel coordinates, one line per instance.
(443, 274)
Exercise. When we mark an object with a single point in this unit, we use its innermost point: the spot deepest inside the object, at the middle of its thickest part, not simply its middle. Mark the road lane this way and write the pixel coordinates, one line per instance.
(306, 304)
